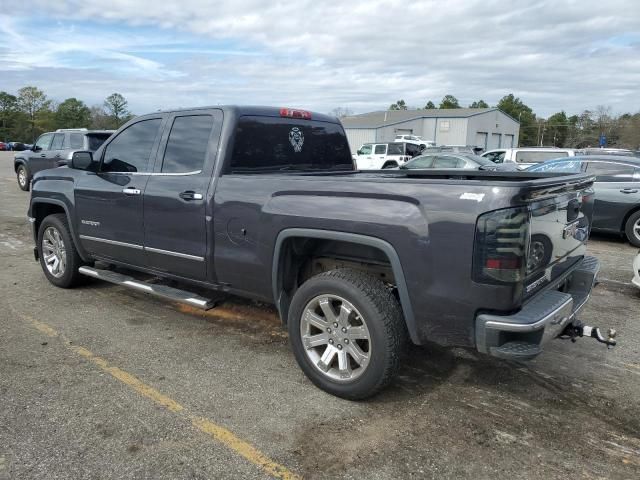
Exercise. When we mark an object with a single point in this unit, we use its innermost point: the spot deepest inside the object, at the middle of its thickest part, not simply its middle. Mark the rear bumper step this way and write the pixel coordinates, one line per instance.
(523, 334)
(169, 293)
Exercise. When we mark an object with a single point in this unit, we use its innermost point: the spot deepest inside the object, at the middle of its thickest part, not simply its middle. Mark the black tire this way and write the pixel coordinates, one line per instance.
(382, 314)
(22, 175)
(632, 229)
(389, 165)
(544, 256)
(70, 277)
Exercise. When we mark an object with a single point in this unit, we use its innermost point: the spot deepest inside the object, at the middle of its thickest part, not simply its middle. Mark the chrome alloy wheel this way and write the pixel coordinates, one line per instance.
(22, 177)
(536, 255)
(636, 229)
(335, 338)
(54, 252)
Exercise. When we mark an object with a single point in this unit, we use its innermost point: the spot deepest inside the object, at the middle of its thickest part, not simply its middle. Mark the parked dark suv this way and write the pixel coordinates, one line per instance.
(54, 149)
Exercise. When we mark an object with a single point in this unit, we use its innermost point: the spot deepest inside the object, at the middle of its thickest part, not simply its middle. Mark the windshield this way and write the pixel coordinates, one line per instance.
(264, 144)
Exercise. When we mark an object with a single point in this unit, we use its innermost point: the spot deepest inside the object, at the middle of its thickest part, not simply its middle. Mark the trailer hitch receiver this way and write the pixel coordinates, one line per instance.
(578, 329)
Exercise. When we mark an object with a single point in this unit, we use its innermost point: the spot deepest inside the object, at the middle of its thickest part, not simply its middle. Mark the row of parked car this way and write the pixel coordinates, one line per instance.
(617, 202)
(617, 172)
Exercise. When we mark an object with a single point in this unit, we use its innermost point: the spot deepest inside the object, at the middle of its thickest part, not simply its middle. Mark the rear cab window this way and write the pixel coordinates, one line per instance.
(268, 144)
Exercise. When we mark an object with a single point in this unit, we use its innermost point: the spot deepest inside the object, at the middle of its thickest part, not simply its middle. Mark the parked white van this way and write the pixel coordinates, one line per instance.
(527, 156)
(376, 156)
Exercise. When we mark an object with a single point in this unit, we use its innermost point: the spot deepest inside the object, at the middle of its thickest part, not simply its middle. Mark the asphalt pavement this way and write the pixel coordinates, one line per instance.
(101, 382)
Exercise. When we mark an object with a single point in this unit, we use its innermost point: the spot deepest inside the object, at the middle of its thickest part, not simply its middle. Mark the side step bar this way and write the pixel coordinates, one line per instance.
(170, 293)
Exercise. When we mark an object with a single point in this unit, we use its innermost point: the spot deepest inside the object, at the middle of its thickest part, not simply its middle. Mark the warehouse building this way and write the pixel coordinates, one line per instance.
(484, 127)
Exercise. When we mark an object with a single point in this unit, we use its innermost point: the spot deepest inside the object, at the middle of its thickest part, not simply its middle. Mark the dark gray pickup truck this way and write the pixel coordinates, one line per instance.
(265, 203)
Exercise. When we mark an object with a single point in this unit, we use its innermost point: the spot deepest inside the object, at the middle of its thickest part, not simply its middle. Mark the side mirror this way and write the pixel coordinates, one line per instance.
(36, 148)
(81, 160)
(359, 152)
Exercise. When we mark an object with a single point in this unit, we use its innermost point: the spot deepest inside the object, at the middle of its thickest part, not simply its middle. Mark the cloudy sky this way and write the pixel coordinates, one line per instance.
(361, 55)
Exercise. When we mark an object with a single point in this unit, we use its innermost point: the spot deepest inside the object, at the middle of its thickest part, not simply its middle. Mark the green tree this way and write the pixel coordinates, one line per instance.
(557, 129)
(430, 105)
(73, 113)
(399, 105)
(35, 105)
(449, 101)
(8, 116)
(514, 107)
(116, 106)
(479, 104)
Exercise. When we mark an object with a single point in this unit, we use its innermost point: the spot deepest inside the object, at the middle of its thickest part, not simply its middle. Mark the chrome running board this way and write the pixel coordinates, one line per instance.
(169, 293)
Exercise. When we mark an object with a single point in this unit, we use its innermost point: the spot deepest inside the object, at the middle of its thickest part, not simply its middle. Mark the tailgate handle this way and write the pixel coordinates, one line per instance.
(629, 190)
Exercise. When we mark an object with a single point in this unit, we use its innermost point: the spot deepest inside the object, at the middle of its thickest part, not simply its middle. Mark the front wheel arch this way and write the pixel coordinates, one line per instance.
(41, 208)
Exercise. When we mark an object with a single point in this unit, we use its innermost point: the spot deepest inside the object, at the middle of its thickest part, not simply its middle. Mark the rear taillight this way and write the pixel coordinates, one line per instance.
(502, 242)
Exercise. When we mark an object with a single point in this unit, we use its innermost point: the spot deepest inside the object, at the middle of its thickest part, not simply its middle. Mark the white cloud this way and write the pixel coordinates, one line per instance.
(361, 54)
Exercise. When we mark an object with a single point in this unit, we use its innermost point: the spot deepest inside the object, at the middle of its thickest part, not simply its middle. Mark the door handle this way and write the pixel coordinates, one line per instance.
(131, 191)
(190, 195)
(43, 155)
(58, 156)
(629, 190)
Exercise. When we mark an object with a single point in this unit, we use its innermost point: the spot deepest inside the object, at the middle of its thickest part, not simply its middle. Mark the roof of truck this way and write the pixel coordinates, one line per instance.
(258, 110)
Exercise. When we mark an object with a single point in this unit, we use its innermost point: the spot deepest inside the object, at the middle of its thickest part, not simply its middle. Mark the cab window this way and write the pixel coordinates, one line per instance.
(365, 150)
(58, 140)
(131, 149)
(380, 149)
(611, 172)
(495, 157)
(43, 142)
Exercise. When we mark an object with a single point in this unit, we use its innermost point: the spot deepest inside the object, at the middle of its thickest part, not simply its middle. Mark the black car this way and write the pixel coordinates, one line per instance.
(54, 149)
(617, 202)
(444, 159)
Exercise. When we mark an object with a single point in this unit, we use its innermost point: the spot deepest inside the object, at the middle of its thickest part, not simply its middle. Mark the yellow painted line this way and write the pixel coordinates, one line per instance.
(212, 429)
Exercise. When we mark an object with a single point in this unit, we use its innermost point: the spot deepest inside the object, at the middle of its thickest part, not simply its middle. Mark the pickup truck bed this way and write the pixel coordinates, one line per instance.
(272, 209)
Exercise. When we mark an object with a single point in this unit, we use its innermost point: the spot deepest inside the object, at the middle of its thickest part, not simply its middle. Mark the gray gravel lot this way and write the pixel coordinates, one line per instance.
(573, 412)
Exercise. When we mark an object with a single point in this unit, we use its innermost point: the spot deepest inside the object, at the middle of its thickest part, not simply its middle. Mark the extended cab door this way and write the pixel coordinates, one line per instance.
(177, 226)
(109, 202)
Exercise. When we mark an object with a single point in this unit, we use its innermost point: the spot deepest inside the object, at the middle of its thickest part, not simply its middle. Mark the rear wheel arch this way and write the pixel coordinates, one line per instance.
(285, 268)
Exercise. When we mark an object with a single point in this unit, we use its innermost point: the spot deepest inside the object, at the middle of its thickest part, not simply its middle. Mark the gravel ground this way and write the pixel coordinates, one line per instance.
(572, 412)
